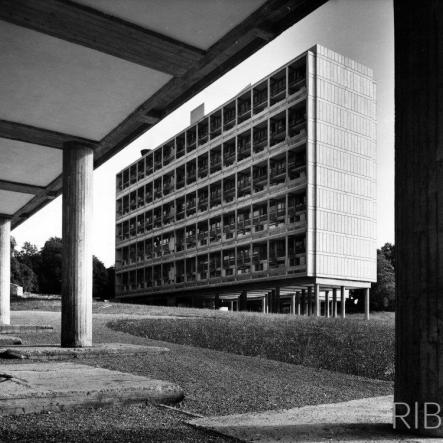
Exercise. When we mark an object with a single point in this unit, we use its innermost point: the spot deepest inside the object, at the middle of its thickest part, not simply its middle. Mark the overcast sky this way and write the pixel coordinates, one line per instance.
(360, 29)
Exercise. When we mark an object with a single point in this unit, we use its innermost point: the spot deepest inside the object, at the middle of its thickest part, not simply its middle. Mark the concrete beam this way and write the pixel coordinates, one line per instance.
(5, 270)
(77, 242)
(102, 32)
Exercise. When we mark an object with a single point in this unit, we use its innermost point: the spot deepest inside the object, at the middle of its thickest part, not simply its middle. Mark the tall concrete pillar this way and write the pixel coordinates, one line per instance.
(419, 214)
(367, 304)
(304, 302)
(342, 302)
(317, 305)
(327, 304)
(293, 303)
(264, 304)
(277, 303)
(5, 270)
(298, 303)
(334, 302)
(78, 162)
(310, 300)
(243, 301)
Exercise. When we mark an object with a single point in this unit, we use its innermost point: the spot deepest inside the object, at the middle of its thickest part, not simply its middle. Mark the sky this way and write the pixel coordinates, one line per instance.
(360, 29)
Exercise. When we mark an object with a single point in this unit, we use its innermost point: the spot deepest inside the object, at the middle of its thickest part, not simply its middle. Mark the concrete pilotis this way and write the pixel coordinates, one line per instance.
(304, 302)
(334, 302)
(310, 300)
(327, 304)
(78, 162)
(264, 305)
(419, 221)
(5, 269)
(367, 304)
(298, 303)
(317, 305)
(293, 303)
(342, 302)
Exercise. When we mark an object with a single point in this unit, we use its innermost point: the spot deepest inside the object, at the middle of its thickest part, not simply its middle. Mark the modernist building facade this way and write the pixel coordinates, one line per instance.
(275, 188)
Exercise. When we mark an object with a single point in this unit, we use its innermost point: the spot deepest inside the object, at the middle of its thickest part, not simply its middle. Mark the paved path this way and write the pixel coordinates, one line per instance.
(367, 419)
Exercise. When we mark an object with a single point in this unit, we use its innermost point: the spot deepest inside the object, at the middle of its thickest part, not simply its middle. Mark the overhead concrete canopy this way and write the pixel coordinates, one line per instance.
(104, 72)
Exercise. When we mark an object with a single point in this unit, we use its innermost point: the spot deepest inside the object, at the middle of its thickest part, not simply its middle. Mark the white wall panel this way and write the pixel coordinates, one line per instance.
(344, 169)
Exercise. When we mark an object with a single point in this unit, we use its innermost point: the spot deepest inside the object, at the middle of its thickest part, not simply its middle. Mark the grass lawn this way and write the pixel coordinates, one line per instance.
(215, 382)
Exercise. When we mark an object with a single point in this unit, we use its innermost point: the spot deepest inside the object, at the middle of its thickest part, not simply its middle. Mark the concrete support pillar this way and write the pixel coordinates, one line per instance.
(277, 303)
(243, 301)
(327, 304)
(419, 214)
(367, 304)
(334, 302)
(78, 162)
(342, 302)
(293, 303)
(264, 305)
(310, 300)
(217, 301)
(5, 270)
(232, 305)
(317, 306)
(304, 302)
(298, 303)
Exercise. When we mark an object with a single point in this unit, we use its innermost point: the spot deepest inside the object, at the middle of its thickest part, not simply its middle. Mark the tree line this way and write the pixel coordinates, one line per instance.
(40, 271)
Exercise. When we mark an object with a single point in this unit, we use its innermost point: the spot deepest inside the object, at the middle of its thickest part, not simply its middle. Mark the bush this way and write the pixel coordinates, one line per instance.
(351, 346)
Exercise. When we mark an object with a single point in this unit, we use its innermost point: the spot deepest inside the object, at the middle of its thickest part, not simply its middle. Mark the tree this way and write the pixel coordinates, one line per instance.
(388, 250)
(383, 292)
(99, 279)
(50, 269)
(21, 272)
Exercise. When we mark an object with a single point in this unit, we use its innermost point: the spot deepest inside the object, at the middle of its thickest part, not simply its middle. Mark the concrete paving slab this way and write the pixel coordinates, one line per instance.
(37, 387)
(52, 352)
(367, 419)
(20, 329)
(7, 340)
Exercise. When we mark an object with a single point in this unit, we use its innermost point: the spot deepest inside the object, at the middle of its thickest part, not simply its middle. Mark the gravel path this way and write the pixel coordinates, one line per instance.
(214, 382)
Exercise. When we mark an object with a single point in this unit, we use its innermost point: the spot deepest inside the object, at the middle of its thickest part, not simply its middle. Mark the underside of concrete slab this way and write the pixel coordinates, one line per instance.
(52, 352)
(37, 387)
(366, 419)
(21, 329)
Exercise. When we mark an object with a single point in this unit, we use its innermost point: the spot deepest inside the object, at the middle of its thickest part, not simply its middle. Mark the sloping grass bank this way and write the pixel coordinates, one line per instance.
(350, 346)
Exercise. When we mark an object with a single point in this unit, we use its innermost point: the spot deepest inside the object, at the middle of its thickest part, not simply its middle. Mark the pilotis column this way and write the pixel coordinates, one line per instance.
(367, 304)
(342, 302)
(5, 270)
(327, 304)
(334, 302)
(77, 253)
(419, 215)
(317, 300)
(310, 300)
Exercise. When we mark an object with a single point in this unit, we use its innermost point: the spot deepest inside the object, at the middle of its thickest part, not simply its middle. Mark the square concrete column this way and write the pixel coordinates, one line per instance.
(367, 304)
(298, 303)
(327, 304)
(419, 215)
(264, 305)
(334, 302)
(317, 306)
(342, 302)
(304, 302)
(78, 162)
(5, 270)
(310, 300)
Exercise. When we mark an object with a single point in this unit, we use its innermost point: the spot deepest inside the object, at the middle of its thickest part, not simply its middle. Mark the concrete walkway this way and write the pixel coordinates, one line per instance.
(37, 387)
(363, 420)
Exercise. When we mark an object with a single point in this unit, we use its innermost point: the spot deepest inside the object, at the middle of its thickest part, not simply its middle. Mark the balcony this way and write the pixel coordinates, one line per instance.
(229, 119)
(216, 164)
(244, 187)
(229, 158)
(203, 204)
(203, 171)
(244, 151)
